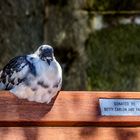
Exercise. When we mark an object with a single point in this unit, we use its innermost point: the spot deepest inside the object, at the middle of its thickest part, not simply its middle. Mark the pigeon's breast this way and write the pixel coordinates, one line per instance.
(42, 68)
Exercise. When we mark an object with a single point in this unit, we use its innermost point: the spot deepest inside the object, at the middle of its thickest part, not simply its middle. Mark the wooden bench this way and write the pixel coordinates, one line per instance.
(73, 115)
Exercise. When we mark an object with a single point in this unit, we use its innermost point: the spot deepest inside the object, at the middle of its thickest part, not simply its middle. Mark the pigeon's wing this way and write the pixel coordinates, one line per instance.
(14, 72)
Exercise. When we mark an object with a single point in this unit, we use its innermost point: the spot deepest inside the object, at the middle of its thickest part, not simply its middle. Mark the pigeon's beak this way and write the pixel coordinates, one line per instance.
(49, 61)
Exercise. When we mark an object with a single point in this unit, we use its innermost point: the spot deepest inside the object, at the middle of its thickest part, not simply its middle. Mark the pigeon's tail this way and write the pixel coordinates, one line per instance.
(2, 86)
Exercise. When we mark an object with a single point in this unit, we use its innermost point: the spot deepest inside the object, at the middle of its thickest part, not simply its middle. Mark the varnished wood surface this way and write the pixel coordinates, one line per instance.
(69, 133)
(70, 108)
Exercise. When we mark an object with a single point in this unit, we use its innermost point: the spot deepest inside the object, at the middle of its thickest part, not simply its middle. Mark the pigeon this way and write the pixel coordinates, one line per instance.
(35, 77)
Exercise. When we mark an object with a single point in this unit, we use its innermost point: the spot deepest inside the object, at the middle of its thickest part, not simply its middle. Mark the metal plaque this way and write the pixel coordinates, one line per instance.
(120, 107)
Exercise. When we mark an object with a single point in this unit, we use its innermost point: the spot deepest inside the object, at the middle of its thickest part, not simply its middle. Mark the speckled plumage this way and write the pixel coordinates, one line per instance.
(36, 77)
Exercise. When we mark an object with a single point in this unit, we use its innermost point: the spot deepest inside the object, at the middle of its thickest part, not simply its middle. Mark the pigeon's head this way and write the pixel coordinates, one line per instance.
(46, 53)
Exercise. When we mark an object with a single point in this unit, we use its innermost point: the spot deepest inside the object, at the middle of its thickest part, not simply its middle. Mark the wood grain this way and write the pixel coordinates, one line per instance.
(69, 133)
(70, 108)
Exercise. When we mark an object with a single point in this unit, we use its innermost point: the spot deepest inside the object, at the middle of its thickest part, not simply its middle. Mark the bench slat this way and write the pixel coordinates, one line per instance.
(69, 133)
(71, 108)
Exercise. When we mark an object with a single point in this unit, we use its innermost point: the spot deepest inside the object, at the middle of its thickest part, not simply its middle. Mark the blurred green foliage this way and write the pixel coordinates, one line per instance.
(114, 58)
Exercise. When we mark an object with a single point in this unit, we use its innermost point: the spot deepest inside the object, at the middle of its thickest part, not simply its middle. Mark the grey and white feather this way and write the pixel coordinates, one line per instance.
(36, 77)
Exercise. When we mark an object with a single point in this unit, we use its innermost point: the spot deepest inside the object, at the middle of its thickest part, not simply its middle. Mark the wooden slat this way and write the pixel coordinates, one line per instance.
(69, 133)
(71, 108)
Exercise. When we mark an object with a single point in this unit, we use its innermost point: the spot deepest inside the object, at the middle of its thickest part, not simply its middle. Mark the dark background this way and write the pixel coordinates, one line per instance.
(96, 42)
